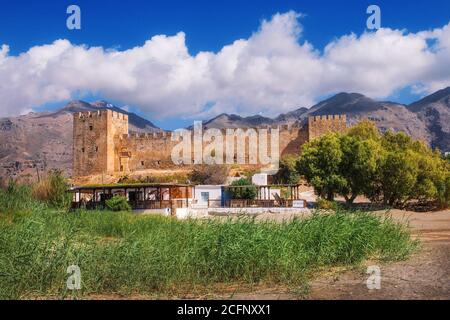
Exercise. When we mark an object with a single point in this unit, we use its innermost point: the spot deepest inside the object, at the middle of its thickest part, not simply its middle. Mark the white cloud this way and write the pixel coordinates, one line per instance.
(273, 71)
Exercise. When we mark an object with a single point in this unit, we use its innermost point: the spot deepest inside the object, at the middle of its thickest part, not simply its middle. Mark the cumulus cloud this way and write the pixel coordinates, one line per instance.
(273, 71)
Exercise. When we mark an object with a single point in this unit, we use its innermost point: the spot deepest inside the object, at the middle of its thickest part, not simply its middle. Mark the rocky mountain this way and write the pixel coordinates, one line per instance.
(44, 140)
(235, 121)
(427, 119)
(386, 115)
(36, 142)
(434, 112)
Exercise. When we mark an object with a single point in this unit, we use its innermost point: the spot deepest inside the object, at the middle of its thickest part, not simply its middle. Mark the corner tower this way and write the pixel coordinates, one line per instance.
(93, 140)
(320, 125)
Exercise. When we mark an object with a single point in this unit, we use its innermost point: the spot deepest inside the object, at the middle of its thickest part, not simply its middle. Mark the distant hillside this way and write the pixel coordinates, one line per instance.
(434, 112)
(427, 119)
(44, 139)
(234, 121)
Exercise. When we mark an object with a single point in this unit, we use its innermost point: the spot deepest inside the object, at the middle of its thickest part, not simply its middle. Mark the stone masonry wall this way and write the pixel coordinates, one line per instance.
(102, 143)
(320, 125)
(93, 143)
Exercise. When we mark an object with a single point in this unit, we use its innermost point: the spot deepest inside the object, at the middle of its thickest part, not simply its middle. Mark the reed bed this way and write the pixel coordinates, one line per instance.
(122, 253)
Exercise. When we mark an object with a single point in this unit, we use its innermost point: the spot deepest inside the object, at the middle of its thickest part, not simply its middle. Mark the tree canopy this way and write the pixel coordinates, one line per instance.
(390, 167)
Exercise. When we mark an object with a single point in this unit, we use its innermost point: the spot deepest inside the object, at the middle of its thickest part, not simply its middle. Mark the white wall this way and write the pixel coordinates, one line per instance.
(214, 192)
(260, 179)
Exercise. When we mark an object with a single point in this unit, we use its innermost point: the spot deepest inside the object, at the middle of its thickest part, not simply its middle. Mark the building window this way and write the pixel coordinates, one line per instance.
(91, 128)
(204, 196)
(142, 163)
(96, 149)
(82, 149)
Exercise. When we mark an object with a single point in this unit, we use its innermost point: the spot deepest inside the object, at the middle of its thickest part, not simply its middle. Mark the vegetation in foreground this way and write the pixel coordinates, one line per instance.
(123, 253)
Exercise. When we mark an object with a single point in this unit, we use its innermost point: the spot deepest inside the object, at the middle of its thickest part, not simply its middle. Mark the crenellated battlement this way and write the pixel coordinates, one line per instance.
(103, 144)
(339, 117)
(101, 113)
(147, 136)
(320, 125)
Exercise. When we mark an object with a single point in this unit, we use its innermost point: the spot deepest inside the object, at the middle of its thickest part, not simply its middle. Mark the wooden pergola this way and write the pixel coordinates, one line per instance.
(140, 196)
(264, 197)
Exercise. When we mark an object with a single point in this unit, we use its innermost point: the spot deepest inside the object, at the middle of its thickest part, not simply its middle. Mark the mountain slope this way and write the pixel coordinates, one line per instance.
(44, 139)
(225, 120)
(386, 115)
(434, 112)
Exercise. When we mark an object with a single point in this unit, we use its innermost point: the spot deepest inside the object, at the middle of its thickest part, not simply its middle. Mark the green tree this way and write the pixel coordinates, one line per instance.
(287, 173)
(410, 171)
(118, 203)
(359, 165)
(320, 164)
(245, 190)
(391, 168)
(365, 130)
(399, 172)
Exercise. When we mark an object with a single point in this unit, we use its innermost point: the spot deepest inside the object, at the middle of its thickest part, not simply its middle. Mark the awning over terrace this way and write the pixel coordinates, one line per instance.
(140, 196)
(163, 196)
(280, 195)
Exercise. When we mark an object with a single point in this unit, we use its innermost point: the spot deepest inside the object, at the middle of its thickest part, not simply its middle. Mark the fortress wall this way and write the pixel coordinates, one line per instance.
(291, 140)
(102, 143)
(93, 143)
(153, 151)
(89, 143)
(117, 126)
(320, 125)
(144, 151)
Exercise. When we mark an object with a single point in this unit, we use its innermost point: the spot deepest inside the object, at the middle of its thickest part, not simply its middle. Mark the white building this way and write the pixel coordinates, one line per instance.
(208, 195)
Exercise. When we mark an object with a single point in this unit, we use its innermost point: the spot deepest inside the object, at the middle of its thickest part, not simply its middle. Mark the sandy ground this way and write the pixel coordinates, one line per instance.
(426, 275)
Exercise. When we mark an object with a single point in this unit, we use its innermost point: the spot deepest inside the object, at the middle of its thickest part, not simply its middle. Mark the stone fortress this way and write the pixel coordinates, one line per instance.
(103, 145)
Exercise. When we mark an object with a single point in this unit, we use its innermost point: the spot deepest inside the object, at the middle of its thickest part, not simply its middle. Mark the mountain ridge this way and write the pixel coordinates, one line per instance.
(44, 139)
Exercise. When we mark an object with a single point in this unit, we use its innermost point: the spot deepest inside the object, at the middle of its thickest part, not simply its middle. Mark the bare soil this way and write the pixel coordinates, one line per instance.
(426, 275)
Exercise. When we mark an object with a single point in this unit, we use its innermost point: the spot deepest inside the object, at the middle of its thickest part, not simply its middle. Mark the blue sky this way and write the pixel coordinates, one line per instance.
(207, 25)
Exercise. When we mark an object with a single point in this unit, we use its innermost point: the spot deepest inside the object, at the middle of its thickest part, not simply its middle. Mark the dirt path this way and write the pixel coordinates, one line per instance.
(426, 275)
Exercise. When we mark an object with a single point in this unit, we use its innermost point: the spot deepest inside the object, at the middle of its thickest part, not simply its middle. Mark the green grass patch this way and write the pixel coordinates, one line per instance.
(124, 253)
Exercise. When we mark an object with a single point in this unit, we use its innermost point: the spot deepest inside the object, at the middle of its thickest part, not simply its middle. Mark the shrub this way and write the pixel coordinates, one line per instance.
(18, 198)
(320, 163)
(247, 190)
(287, 174)
(327, 204)
(53, 190)
(118, 203)
(209, 174)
